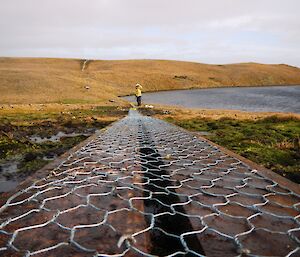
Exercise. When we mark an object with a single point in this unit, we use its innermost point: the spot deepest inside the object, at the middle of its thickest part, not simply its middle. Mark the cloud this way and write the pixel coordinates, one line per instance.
(213, 31)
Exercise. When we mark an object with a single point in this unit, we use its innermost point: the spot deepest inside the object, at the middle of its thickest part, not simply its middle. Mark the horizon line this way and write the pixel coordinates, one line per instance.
(143, 59)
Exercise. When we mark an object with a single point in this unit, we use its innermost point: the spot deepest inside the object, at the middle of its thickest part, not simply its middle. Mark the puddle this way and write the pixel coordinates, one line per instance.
(50, 157)
(57, 137)
(9, 167)
(7, 185)
(9, 175)
(8, 172)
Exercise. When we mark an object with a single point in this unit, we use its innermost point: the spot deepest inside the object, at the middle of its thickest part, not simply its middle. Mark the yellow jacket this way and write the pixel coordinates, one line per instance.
(138, 91)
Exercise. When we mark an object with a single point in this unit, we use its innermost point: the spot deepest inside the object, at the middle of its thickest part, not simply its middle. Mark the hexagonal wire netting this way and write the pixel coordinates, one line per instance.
(147, 188)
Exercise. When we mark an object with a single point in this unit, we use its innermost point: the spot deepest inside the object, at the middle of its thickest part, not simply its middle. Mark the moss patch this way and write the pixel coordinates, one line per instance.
(16, 130)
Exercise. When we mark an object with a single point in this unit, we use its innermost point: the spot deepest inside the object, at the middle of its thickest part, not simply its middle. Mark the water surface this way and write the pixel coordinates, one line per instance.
(57, 137)
(253, 99)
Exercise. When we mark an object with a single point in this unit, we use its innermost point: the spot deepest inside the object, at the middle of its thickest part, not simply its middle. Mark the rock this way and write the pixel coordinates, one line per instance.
(180, 77)
(149, 106)
(30, 157)
(168, 157)
(112, 101)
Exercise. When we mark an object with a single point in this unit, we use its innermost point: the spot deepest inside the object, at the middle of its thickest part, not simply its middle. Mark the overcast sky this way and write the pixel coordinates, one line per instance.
(208, 31)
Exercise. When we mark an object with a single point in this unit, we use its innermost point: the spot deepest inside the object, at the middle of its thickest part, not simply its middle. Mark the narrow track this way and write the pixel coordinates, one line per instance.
(144, 187)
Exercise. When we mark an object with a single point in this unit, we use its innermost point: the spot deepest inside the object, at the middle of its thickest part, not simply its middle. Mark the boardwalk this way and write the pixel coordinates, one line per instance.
(144, 187)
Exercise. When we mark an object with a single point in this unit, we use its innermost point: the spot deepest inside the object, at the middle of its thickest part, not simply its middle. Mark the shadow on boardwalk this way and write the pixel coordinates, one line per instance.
(143, 184)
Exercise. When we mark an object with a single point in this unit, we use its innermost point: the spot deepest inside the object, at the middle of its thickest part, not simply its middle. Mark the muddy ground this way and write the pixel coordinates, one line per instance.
(31, 137)
(28, 141)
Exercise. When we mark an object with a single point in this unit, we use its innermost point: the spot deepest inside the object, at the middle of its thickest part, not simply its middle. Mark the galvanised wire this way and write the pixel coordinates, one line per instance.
(112, 198)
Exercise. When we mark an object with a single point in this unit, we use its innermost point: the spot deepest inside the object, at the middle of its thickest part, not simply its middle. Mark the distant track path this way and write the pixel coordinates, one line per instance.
(84, 65)
(144, 187)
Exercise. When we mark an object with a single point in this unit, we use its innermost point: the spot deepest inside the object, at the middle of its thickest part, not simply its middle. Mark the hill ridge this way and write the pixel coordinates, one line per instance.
(39, 80)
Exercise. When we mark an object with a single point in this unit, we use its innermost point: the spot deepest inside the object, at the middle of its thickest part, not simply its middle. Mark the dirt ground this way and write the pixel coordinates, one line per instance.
(167, 111)
(33, 135)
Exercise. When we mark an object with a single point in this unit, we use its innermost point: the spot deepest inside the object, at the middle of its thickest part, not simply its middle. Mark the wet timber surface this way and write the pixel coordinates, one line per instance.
(144, 187)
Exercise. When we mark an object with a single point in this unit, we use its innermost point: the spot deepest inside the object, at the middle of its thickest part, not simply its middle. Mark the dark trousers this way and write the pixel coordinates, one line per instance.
(139, 100)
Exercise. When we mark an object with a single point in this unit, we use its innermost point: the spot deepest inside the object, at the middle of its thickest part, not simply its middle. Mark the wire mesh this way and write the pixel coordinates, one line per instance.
(147, 188)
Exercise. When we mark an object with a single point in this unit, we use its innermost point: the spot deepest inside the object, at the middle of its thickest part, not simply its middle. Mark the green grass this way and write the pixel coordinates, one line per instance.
(31, 154)
(34, 165)
(55, 115)
(15, 130)
(273, 142)
(33, 161)
(77, 101)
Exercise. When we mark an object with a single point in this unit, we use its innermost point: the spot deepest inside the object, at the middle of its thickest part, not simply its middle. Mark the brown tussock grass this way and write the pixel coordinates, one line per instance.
(46, 80)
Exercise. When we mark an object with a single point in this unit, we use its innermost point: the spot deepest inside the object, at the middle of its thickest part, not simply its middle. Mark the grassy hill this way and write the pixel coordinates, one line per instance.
(45, 80)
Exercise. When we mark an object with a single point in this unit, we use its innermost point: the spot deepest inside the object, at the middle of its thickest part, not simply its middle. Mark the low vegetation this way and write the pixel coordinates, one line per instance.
(42, 97)
(16, 130)
(42, 80)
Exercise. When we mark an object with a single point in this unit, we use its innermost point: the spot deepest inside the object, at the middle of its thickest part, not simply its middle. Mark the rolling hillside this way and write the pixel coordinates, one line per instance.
(43, 80)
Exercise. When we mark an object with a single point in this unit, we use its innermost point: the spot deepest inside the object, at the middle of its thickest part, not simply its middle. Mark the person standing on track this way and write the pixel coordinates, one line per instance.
(138, 94)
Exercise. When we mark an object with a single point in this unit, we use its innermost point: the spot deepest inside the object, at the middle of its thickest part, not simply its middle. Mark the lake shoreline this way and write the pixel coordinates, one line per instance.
(275, 99)
(210, 87)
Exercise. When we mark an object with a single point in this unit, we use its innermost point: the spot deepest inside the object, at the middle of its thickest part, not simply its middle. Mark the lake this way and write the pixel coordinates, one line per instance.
(253, 99)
